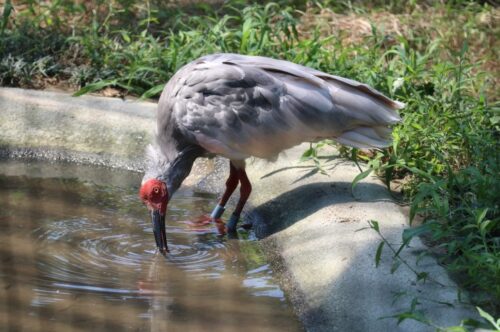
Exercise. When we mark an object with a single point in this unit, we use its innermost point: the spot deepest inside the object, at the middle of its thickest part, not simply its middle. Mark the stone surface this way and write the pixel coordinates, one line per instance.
(310, 223)
(57, 126)
(315, 223)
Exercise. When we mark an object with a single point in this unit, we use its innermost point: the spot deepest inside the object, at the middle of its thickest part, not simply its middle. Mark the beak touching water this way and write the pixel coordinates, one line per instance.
(158, 221)
(154, 194)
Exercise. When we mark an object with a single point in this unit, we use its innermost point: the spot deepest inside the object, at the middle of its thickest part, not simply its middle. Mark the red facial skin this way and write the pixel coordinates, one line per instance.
(155, 195)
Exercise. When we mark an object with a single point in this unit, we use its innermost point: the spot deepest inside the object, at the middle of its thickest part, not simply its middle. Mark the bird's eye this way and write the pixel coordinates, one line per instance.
(156, 190)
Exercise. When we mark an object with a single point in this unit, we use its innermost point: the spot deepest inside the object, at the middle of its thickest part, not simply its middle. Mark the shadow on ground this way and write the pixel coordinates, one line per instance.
(292, 206)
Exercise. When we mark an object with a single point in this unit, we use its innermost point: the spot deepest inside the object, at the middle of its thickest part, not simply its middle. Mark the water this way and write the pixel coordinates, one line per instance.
(77, 254)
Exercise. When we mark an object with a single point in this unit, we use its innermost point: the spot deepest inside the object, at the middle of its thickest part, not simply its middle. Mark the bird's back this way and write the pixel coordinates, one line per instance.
(240, 106)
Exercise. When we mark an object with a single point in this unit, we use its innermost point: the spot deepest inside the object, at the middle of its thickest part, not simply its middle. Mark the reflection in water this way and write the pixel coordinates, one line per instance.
(76, 255)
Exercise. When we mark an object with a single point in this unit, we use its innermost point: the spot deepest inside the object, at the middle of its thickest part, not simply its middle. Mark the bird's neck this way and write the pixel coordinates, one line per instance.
(180, 167)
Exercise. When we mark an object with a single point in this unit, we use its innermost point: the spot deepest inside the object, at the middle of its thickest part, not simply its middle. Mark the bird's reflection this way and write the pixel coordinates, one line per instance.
(203, 303)
(155, 285)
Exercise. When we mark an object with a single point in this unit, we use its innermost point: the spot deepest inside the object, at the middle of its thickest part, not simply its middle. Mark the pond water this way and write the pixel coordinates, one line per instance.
(78, 254)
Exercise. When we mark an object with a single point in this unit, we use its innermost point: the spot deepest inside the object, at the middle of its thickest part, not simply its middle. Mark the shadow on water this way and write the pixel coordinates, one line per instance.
(77, 256)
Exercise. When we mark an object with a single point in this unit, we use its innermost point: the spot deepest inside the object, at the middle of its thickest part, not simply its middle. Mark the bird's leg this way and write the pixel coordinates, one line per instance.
(231, 184)
(245, 190)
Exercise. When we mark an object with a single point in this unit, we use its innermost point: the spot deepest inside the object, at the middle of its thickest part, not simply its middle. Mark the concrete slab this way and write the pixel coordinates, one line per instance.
(57, 126)
(314, 223)
(308, 222)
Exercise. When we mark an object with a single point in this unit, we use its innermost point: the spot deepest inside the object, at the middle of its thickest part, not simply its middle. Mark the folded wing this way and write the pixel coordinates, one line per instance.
(241, 106)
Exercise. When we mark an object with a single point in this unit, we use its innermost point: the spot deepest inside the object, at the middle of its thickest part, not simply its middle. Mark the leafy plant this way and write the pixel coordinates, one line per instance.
(413, 311)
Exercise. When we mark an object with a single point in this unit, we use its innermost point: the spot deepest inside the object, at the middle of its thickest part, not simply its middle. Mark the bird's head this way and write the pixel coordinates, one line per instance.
(154, 195)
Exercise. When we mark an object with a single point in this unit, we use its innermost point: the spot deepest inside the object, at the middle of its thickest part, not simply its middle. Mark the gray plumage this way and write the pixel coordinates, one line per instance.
(239, 106)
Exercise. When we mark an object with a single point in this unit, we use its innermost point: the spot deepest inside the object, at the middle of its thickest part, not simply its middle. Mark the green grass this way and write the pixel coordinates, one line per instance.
(442, 62)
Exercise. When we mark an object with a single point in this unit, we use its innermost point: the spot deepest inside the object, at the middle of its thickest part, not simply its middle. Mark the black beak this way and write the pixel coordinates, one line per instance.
(159, 230)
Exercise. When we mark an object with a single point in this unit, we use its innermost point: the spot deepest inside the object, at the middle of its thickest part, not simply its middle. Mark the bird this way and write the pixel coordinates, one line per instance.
(240, 106)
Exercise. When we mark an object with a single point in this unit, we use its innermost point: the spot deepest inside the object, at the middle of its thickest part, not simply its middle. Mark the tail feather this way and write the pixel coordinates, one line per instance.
(370, 113)
(366, 137)
(366, 89)
(370, 109)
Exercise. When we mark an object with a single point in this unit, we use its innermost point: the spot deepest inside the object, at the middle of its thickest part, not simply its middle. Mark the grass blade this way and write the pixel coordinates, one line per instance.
(5, 16)
(360, 177)
(94, 87)
(154, 91)
(379, 253)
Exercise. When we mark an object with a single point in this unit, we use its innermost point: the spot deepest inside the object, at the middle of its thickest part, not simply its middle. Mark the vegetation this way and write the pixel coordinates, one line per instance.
(440, 58)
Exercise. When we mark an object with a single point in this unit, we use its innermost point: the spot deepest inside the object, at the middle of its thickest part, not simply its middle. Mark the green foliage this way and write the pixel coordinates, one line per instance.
(413, 312)
(104, 50)
(5, 16)
(446, 149)
(489, 318)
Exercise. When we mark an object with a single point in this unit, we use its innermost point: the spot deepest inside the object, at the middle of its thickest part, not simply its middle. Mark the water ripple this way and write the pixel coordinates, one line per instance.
(84, 251)
(83, 257)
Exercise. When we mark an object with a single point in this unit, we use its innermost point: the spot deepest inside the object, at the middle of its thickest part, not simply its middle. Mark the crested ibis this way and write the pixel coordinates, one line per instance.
(239, 106)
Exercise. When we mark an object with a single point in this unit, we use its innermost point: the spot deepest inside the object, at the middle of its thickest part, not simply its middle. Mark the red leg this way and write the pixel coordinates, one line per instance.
(245, 190)
(231, 184)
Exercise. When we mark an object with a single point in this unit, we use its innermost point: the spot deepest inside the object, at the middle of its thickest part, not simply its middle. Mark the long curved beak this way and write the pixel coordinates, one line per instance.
(159, 231)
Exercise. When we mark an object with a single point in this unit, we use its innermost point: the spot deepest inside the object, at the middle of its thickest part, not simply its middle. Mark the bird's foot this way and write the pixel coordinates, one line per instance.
(202, 220)
(232, 223)
(221, 226)
(163, 251)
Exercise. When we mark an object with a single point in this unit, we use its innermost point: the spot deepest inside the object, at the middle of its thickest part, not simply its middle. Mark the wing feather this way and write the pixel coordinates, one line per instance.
(241, 106)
